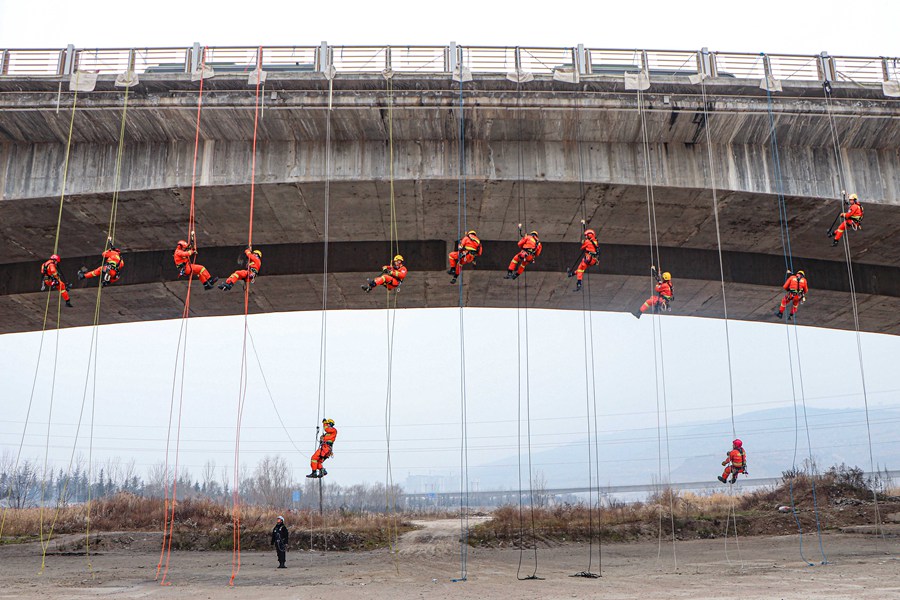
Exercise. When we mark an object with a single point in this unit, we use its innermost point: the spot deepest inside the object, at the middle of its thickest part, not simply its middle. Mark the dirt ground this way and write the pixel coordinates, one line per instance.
(427, 561)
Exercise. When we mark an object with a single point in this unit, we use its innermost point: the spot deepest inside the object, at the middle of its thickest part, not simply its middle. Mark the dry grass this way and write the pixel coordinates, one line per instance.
(201, 523)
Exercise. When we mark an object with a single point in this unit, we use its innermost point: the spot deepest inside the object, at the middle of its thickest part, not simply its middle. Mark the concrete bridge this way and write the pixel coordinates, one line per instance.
(542, 152)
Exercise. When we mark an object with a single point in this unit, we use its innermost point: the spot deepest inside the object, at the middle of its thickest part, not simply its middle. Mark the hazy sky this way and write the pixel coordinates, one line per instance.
(864, 28)
(134, 388)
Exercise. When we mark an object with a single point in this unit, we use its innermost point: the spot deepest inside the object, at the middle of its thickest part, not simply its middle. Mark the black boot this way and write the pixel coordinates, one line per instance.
(69, 304)
(314, 474)
(779, 314)
(453, 279)
(225, 286)
(577, 286)
(451, 271)
(370, 283)
(722, 479)
(570, 273)
(509, 275)
(637, 313)
(514, 275)
(834, 243)
(210, 283)
(323, 472)
(81, 272)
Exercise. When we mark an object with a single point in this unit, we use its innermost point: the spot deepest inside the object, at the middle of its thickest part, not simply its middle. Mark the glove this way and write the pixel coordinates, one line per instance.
(724, 462)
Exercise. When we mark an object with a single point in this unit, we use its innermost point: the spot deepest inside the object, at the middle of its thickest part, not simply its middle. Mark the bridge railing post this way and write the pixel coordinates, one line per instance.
(132, 58)
(579, 60)
(767, 66)
(195, 58)
(885, 68)
(4, 62)
(706, 63)
(825, 67)
(387, 59)
(518, 59)
(645, 63)
(66, 63)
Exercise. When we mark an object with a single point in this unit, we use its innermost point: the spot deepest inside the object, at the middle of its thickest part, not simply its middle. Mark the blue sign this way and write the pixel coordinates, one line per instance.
(295, 497)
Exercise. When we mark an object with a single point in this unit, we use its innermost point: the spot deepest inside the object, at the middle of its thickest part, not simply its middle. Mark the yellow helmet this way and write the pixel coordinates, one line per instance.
(472, 232)
(801, 273)
(329, 422)
(667, 276)
(534, 233)
(854, 198)
(398, 257)
(258, 253)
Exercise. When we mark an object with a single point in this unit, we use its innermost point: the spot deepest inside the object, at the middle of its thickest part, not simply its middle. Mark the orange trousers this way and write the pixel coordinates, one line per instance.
(457, 261)
(520, 261)
(53, 283)
(586, 261)
(732, 469)
(839, 232)
(792, 298)
(110, 269)
(200, 271)
(653, 301)
(319, 456)
(387, 281)
(240, 275)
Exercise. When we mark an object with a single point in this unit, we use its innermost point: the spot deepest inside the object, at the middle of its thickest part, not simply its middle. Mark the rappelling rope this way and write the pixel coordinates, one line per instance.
(181, 348)
(92, 366)
(62, 197)
(590, 382)
(789, 266)
(323, 337)
(462, 226)
(715, 203)
(522, 300)
(839, 160)
(658, 356)
(236, 491)
(390, 498)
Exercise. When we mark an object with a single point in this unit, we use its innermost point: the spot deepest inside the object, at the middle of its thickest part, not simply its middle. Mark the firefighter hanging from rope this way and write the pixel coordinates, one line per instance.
(185, 255)
(590, 255)
(665, 294)
(796, 289)
(248, 273)
(111, 268)
(51, 278)
(392, 275)
(530, 248)
(468, 248)
(325, 450)
(852, 219)
(735, 462)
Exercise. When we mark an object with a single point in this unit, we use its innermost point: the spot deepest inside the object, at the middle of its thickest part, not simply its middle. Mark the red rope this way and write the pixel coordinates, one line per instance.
(236, 491)
(169, 509)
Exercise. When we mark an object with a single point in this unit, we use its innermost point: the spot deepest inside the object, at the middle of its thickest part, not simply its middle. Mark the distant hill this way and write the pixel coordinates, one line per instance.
(697, 450)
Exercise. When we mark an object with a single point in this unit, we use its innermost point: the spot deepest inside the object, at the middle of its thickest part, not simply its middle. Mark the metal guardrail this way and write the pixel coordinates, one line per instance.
(60, 62)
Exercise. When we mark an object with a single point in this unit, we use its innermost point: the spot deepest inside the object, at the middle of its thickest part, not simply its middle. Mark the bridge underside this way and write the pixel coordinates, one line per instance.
(289, 227)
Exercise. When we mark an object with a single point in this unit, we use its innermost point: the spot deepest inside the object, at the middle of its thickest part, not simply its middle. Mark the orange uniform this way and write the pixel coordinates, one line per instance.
(852, 217)
(392, 275)
(325, 451)
(590, 253)
(468, 248)
(110, 269)
(665, 293)
(796, 288)
(254, 264)
(530, 247)
(735, 462)
(186, 268)
(51, 279)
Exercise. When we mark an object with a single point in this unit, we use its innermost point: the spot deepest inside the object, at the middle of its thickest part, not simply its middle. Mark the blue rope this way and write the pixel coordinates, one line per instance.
(789, 265)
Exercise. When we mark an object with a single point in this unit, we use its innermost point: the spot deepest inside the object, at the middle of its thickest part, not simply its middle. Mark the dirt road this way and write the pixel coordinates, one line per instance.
(428, 560)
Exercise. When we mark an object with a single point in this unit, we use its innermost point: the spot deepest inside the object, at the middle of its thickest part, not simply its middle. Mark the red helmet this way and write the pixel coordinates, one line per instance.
(737, 443)
(182, 244)
(590, 233)
(54, 257)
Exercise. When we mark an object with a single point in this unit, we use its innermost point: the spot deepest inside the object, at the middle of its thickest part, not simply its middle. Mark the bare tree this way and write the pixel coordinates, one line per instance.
(22, 485)
(272, 482)
(539, 489)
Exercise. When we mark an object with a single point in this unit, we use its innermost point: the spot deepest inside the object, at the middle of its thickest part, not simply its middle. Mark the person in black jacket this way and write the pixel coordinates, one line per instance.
(280, 541)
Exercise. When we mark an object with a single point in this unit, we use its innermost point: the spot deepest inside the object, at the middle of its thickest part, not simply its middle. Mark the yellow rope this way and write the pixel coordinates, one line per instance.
(92, 358)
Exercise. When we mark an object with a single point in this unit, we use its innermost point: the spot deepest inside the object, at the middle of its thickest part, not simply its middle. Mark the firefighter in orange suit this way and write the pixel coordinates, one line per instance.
(254, 264)
(852, 218)
(665, 293)
(796, 288)
(590, 256)
(530, 248)
(325, 451)
(110, 269)
(735, 462)
(392, 275)
(467, 250)
(51, 278)
(184, 252)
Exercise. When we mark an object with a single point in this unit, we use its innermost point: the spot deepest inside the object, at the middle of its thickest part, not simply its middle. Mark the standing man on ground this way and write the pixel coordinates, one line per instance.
(280, 541)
